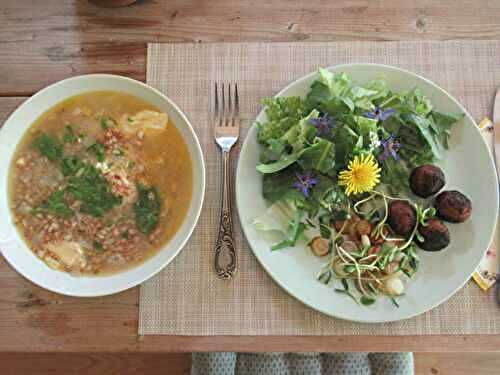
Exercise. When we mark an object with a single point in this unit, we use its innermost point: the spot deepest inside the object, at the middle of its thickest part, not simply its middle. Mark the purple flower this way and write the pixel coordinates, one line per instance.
(379, 113)
(323, 125)
(305, 182)
(390, 146)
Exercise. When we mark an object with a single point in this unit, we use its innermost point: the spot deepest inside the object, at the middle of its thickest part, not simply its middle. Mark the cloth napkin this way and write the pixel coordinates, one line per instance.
(487, 272)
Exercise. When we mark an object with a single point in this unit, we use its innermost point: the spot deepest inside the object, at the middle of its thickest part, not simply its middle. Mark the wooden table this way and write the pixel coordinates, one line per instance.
(45, 41)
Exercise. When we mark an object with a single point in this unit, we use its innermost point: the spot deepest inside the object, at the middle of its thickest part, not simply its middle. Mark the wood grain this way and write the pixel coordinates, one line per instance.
(179, 364)
(96, 364)
(44, 41)
(457, 363)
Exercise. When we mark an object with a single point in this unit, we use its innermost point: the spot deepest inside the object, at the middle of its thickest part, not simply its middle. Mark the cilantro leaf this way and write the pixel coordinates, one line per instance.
(147, 209)
(49, 146)
(99, 150)
(69, 135)
(93, 191)
(56, 205)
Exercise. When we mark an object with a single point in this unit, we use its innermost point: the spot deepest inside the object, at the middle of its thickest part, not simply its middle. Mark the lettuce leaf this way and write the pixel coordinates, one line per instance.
(320, 157)
(302, 134)
(282, 114)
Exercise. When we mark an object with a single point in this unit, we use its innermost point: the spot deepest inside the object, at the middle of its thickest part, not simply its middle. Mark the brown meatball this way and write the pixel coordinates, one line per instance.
(453, 206)
(402, 217)
(426, 180)
(436, 235)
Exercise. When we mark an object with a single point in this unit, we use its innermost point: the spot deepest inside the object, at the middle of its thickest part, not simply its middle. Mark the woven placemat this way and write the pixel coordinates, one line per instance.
(186, 298)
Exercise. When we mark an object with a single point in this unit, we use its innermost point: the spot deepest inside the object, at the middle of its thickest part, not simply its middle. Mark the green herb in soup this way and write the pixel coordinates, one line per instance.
(147, 209)
(99, 150)
(49, 146)
(89, 187)
(99, 183)
(69, 135)
(56, 205)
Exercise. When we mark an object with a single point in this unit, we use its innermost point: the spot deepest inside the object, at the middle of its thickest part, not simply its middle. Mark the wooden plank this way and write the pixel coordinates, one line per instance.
(179, 364)
(45, 41)
(457, 363)
(8, 105)
(96, 364)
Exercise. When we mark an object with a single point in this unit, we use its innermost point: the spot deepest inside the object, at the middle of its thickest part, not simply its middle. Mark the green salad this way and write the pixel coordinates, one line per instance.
(339, 167)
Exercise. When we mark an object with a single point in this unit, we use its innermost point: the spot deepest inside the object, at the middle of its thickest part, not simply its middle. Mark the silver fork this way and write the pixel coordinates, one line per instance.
(226, 117)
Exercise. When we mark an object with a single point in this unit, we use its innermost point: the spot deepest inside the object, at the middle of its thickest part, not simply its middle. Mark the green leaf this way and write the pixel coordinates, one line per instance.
(378, 86)
(420, 104)
(365, 125)
(320, 157)
(339, 84)
(282, 114)
(93, 191)
(70, 165)
(441, 124)
(56, 205)
(367, 301)
(278, 185)
(49, 146)
(395, 175)
(361, 92)
(424, 126)
(295, 230)
(302, 134)
(69, 135)
(99, 150)
(337, 105)
(147, 209)
(325, 231)
(318, 94)
(279, 165)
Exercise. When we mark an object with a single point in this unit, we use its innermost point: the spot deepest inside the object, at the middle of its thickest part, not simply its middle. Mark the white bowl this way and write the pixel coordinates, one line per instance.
(12, 245)
(468, 167)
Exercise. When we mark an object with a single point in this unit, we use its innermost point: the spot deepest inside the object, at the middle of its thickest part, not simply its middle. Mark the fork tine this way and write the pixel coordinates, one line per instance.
(229, 115)
(216, 104)
(223, 109)
(236, 102)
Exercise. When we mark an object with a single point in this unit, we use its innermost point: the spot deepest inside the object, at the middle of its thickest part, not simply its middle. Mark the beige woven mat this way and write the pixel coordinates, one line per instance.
(186, 298)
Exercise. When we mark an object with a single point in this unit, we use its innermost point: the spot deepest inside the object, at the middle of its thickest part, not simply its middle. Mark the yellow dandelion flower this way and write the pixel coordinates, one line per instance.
(362, 174)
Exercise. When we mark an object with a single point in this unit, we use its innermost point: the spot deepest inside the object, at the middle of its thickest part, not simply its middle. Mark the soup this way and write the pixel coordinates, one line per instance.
(99, 183)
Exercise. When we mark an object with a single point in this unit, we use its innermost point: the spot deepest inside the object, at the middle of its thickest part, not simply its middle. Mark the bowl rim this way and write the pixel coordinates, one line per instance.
(240, 198)
(197, 203)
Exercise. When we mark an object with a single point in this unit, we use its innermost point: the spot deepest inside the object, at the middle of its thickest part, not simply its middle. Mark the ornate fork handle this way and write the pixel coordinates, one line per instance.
(225, 240)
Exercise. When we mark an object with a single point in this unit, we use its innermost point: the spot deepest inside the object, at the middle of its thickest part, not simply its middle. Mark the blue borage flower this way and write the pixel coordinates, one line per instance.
(391, 147)
(379, 113)
(305, 182)
(323, 124)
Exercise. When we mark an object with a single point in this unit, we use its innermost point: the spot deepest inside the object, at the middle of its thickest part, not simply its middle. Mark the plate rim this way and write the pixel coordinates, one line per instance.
(238, 197)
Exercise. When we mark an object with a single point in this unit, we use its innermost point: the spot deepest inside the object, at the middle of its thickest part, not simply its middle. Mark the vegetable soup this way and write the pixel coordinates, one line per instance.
(99, 183)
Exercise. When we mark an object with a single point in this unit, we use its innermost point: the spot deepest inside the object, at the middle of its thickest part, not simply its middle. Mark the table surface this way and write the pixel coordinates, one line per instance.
(45, 41)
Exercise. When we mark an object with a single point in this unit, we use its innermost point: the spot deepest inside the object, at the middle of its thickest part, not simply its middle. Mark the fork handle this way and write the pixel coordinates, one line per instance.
(225, 240)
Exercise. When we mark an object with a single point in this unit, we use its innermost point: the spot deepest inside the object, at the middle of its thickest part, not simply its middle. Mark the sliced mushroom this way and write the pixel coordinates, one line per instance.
(319, 246)
(363, 227)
